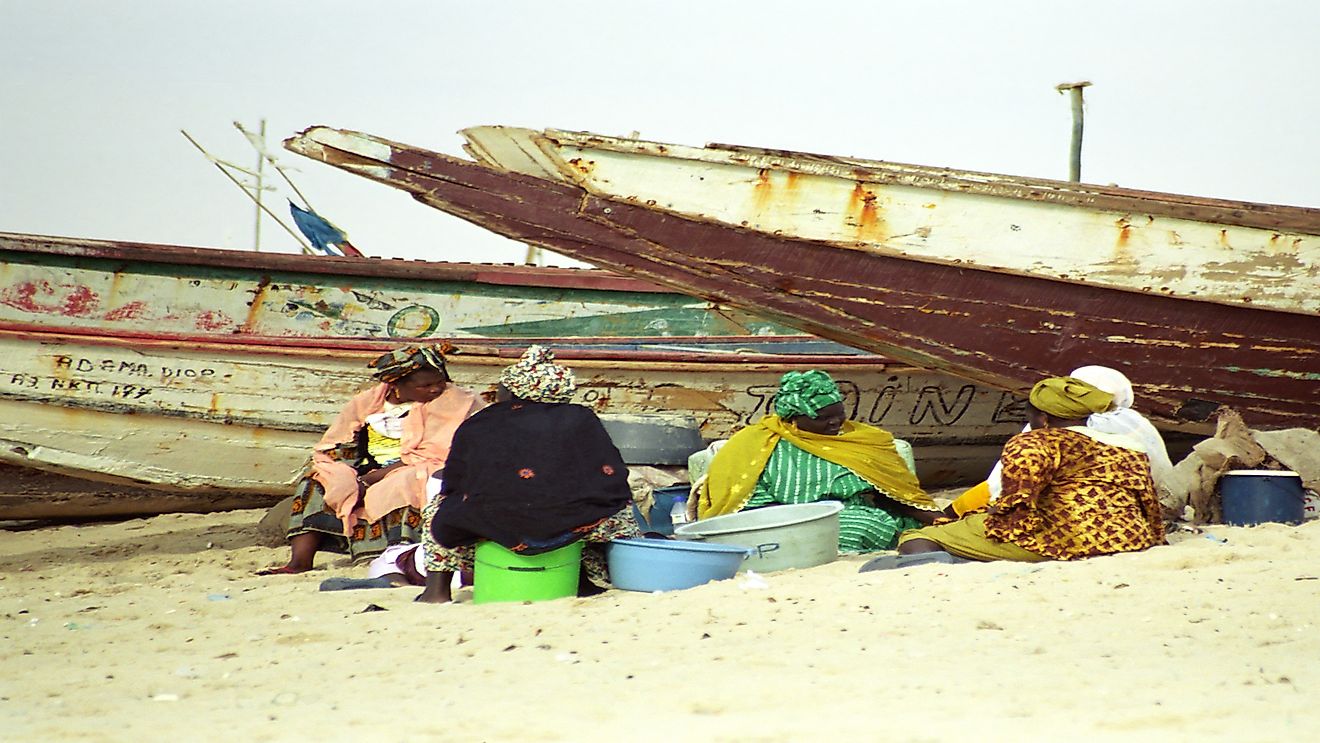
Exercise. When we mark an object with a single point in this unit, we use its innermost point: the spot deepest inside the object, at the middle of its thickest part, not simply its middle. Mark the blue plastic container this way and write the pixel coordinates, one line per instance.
(659, 517)
(665, 565)
(1253, 497)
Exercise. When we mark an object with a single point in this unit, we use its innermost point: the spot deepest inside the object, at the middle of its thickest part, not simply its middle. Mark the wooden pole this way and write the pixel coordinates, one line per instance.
(261, 162)
(1075, 152)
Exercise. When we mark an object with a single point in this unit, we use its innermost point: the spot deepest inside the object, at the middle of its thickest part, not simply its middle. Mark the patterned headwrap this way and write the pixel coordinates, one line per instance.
(1069, 398)
(538, 378)
(805, 393)
(399, 363)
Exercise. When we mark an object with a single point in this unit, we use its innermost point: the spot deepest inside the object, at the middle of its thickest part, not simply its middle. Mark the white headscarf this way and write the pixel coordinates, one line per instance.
(1121, 420)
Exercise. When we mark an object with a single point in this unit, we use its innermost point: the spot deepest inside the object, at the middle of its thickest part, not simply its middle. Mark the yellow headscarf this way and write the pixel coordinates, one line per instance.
(1069, 398)
(866, 450)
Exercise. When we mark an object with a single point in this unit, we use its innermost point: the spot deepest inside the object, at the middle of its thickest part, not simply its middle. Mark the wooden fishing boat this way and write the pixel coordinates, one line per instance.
(206, 375)
(61, 282)
(996, 279)
(214, 418)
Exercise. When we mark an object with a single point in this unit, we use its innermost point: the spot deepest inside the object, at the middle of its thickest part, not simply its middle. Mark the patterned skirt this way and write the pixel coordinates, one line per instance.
(457, 559)
(310, 514)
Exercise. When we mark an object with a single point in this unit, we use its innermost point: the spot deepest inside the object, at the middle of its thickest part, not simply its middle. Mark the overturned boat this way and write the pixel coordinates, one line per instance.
(1000, 280)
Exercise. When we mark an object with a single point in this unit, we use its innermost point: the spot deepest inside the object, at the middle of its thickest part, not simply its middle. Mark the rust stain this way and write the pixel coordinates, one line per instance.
(585, 167)
(864, 215)
(254, 309)
(1122, 249)
(763, 192)
(113, 293)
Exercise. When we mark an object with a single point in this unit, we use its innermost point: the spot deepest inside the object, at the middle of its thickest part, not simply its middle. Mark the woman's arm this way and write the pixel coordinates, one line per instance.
(1029, 464)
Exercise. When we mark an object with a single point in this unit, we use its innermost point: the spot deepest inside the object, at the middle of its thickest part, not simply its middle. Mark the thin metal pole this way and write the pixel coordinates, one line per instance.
(303, 243)
(261, 162)
(1075, 152)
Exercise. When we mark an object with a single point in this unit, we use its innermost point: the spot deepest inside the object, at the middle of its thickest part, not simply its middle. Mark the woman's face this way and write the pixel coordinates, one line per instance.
(828, 421)
(423, 385)
(1037, 419)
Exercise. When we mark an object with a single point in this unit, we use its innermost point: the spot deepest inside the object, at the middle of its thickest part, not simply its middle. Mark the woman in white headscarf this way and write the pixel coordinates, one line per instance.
(1119, 419)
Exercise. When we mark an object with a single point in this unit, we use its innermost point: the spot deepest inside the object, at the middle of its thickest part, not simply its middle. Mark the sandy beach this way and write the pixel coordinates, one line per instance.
(156, 629)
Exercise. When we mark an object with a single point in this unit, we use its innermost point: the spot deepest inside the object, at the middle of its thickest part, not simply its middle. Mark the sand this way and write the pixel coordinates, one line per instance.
(156, 629)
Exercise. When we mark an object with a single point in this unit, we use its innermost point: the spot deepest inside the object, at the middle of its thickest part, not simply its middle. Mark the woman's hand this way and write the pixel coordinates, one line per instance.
(376, 475)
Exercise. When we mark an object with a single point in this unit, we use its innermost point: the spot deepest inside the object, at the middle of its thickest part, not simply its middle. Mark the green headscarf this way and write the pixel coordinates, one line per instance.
(805, 393)
(1069, 398)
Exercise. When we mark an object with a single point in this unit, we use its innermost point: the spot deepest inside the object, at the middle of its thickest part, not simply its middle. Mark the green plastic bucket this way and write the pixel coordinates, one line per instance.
(504, 575)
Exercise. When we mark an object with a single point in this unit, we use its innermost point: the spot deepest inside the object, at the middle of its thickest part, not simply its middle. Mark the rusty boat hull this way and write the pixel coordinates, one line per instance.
(1000, 326)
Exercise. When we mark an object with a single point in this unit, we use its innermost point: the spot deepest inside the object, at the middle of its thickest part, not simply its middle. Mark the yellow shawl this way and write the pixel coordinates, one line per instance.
(866, 450)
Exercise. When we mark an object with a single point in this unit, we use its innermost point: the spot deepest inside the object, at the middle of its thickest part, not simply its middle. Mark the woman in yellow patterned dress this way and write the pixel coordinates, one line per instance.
(1069, 491)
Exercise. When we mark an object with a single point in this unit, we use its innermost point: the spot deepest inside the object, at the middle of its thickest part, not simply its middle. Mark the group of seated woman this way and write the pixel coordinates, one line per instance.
(415, 470)
(1076, 483)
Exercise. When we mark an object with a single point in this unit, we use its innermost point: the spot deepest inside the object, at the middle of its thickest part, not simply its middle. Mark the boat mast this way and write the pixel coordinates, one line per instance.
(1075, 155)
(261, 162)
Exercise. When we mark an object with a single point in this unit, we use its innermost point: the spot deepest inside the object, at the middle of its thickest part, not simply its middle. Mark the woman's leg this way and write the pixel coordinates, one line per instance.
(594, 577)
(441, 564)
(302, 553)
(966, 538)
(918, 545)
(312, 528)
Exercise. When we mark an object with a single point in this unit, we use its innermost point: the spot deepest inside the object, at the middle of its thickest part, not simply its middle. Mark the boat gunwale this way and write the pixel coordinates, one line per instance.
(1265, 216)
(466, 352)
(384, 268)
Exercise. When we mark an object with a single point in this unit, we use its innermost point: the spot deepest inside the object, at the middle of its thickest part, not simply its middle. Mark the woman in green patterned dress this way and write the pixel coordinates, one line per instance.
(807, 452)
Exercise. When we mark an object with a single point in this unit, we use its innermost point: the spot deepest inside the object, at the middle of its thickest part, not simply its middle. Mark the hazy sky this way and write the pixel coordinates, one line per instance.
(1207, 98)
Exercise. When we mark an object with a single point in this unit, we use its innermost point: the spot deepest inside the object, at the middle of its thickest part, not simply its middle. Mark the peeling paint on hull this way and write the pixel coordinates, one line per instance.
(1004, 329)
(74, 283)
(1209, 250)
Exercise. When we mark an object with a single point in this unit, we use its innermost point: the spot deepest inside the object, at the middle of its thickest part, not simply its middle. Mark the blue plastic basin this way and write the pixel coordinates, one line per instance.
(664, 565)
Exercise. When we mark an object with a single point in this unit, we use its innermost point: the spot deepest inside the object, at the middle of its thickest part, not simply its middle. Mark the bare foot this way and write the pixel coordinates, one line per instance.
(437, 588)
(434, 597)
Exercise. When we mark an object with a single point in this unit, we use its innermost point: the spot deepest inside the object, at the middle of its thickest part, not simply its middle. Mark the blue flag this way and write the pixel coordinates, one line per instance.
(324, 236)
